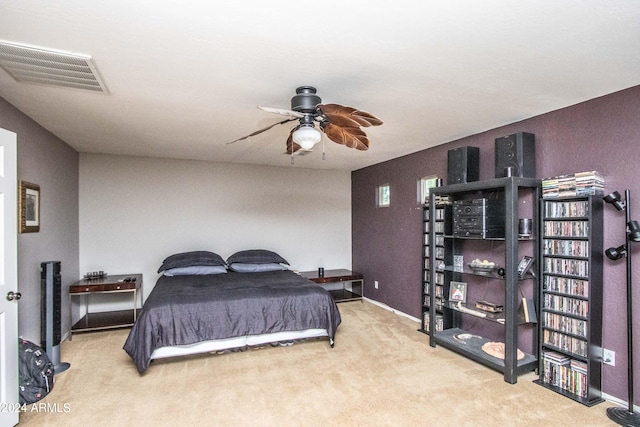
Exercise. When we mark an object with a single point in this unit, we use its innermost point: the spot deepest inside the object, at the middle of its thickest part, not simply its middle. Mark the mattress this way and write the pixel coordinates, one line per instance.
(183, 311)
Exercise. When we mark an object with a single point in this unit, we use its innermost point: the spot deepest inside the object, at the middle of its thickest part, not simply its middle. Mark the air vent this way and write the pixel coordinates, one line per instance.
(49, 67)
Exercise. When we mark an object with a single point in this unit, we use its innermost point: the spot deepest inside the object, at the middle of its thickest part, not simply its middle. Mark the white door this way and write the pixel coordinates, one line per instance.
(8, 280)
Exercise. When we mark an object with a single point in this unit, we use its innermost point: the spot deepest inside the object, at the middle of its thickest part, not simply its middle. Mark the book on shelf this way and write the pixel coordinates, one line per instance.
(527, 311)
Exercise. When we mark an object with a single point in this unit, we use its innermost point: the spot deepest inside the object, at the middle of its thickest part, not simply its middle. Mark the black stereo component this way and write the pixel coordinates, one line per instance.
(516, 155)
(478, 218)
(463, 165)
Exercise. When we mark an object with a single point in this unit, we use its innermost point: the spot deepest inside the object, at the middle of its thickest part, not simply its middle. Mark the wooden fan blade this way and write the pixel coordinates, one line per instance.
(289, 113)
(262, 130)
(352, 137)
(342, 121)
(362, 118)
(292, 147)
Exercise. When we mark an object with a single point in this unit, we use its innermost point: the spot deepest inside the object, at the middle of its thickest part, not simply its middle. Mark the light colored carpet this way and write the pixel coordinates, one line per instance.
(381, 372)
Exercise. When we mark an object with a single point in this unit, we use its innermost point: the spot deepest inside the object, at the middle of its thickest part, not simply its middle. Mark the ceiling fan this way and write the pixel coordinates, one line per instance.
(341, 124)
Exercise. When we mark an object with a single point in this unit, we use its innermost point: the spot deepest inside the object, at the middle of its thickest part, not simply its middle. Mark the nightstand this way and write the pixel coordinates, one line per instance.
(352, 283)
(108, 285)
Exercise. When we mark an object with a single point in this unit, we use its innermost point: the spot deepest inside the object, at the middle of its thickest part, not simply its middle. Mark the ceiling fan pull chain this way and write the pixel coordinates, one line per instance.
(323, 156)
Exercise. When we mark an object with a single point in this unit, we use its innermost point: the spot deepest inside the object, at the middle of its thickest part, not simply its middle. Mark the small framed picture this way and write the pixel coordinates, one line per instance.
(29, 207)
(524, 266)
(457, 291)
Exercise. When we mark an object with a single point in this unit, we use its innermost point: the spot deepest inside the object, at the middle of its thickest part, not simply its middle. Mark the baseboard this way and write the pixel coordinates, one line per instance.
(393, 310)
(605, 396)
(619, 402)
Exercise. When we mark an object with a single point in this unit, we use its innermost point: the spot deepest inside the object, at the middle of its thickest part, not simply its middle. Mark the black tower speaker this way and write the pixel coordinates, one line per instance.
(51, 313)
(516, 155)
(463, 165)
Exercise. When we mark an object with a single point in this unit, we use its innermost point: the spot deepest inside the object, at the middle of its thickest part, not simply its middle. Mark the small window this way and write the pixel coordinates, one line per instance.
(383, 195)
(425, 183)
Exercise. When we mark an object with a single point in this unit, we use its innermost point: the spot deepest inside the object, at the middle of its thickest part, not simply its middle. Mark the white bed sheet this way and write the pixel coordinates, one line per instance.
(230, 343)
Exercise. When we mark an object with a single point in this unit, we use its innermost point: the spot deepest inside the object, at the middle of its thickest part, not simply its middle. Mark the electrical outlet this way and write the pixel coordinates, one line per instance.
(608, 357)
(375, 284)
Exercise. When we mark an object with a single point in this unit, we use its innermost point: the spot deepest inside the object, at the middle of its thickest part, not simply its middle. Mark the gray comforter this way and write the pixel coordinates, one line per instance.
(189, 309)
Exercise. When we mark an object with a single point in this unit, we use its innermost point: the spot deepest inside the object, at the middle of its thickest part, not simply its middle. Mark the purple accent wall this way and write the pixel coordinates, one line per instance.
(602, 134)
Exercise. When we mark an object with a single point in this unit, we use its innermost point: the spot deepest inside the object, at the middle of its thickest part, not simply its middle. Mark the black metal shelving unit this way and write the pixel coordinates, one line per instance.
(442, 226)
(510, 190)
(570, 326)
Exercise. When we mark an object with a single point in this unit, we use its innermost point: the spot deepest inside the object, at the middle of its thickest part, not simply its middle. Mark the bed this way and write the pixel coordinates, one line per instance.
(202, 303)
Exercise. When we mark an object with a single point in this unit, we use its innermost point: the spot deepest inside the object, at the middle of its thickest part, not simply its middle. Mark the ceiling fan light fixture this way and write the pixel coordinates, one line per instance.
(341, 124)
(306, 136)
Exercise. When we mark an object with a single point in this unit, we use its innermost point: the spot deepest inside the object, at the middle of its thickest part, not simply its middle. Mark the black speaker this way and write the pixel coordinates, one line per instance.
(516, 155)
(463, 165)
(51, 313)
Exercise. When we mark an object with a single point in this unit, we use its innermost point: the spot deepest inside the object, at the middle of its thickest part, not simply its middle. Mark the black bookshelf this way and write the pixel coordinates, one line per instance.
(441, 226)
(570, 324)
(518, 197)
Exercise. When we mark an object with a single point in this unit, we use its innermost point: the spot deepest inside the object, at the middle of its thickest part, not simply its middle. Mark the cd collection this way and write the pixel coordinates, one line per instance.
(567, 325)
(566, 285)
(578, 208)
(578, 184)
(566, 228)
(566, 343)
(576, 248)
(572, 306)
(571, 267)
(568, 248)
(567, 374)
(439, 322)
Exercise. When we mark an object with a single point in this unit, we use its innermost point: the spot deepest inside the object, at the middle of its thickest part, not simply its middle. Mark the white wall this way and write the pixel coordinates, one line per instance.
(136, 211)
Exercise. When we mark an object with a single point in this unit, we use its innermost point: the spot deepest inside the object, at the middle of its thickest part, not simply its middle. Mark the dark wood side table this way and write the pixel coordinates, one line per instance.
(352, 283)
(111, 284)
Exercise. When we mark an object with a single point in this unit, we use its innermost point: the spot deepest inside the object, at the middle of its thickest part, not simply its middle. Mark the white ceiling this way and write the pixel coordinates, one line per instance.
(185, 77)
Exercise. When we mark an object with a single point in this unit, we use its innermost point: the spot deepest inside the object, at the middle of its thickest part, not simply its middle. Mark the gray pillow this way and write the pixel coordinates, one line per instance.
(256, 256)
(198, 270)
(240, 267)
(189, 259)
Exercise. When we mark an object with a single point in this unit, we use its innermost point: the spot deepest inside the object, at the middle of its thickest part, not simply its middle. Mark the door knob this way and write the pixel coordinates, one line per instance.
(13, 296)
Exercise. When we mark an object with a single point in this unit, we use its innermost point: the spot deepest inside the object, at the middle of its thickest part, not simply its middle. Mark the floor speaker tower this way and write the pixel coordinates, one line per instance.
(51, 313)
(463, 165)
(516, 155)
